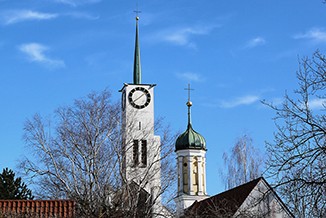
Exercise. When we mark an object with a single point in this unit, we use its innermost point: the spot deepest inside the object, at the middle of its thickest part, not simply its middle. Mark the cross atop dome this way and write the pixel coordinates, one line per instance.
(190, 139)
(189, 103)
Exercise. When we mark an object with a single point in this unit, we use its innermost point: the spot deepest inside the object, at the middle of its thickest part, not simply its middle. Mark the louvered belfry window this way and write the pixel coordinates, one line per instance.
(144, 152)
(135, 153)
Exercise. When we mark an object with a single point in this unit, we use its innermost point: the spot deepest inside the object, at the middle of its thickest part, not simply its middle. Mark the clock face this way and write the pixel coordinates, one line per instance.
(139, 97)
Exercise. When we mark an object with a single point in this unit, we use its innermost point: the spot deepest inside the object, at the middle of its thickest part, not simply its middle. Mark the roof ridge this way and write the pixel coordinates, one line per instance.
(242, 185)
(236, 196)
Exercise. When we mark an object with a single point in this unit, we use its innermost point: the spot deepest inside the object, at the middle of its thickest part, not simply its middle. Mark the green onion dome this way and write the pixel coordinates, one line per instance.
(190, 139)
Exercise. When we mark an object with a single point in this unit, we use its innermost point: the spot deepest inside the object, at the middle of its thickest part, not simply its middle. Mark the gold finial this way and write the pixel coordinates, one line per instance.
(189, 103)
(137, 11)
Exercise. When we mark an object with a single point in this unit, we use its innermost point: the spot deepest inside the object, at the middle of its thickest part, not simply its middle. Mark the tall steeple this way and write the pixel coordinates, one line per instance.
(190, 148)
(137, 66)
(141, 147)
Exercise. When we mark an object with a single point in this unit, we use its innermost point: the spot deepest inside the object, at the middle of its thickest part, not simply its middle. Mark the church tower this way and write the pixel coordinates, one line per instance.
(141, 148)
(190, 148)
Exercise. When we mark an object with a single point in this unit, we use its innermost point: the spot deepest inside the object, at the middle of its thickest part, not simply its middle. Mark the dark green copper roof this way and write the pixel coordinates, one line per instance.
(137, 67)
(190, 139)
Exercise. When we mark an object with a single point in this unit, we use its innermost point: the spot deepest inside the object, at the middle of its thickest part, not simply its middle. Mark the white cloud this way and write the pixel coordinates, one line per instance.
(11, 17)
(81, 15)
(182, 36)
(315, 34)
(35, 53)
(244, 100)
(258, 41)
(190, 77)
(317, 103)
(75, 3)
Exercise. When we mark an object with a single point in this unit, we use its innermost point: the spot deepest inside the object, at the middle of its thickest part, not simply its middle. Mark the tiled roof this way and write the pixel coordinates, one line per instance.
(224, 204)
(37, 208)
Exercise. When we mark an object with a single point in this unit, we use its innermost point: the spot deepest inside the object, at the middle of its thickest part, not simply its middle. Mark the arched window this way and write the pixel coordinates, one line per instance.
(195, 174)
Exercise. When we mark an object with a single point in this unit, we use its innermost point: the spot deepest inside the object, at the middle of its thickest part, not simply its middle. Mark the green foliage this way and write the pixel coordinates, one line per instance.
(12, 188)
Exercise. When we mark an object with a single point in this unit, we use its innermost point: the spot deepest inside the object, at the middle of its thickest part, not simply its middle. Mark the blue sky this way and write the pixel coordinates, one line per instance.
(234, 53)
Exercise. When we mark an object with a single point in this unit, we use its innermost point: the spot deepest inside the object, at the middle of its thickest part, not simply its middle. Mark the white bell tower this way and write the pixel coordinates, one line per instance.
(191, 162)
(141, 148)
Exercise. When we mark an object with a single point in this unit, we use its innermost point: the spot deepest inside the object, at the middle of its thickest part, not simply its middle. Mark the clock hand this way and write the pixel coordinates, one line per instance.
(139, 97)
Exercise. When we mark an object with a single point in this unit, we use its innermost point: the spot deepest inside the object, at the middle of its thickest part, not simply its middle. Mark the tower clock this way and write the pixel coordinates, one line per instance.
(139, 97)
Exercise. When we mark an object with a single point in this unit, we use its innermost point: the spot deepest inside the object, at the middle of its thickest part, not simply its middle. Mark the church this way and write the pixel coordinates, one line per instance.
(141, 169)
(142, 160)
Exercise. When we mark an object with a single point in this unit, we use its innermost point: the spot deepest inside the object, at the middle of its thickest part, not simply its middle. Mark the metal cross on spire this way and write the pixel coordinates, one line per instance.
(137, 11)
(189, 104)
(189, 90)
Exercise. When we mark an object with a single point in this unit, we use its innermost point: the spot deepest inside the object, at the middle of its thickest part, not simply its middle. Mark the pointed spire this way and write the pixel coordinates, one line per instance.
(137, 66)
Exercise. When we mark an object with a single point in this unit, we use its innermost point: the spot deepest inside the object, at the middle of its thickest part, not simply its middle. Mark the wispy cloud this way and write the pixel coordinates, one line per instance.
(244, 100)
(257, 41)
(182, 36)
(11, 17)
(317, 104)
(82, 15)
(315, 34)
(190, 77)
(75, 3)
(36, 53)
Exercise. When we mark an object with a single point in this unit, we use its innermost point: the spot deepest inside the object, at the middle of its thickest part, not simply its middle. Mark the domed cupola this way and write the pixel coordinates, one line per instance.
(190, 139)
(190, 148)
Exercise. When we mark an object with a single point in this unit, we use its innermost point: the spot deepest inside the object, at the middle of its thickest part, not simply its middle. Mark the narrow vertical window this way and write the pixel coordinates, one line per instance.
(135, 153)
(139, 125)
(144, 152)
(185, 175)
(195, 175)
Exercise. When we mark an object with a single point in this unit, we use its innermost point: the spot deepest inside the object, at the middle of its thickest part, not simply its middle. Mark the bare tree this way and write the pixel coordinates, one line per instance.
(79, 156)
(297, 157)
(243, 164)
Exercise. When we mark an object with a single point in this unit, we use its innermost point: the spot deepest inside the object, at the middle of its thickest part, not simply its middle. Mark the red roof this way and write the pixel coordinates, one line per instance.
(38, 208)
